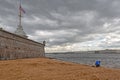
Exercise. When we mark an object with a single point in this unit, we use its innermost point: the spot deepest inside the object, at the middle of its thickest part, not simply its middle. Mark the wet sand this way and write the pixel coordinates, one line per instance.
(50, 69)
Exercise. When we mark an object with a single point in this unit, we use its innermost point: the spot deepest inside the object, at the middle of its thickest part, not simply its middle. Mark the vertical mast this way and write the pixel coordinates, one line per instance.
(20, 30)
(20, 15)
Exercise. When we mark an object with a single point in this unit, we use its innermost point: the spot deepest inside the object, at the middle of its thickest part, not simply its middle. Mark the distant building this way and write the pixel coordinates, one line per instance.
(108, 51)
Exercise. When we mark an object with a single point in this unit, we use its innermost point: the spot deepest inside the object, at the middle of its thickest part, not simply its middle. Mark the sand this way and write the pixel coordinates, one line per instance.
(51, 69)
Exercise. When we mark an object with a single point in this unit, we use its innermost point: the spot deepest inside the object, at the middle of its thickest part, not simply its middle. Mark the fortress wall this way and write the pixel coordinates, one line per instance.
(15, 47)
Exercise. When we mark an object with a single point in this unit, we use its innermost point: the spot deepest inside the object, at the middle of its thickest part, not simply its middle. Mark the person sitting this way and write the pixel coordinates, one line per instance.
(97, 63)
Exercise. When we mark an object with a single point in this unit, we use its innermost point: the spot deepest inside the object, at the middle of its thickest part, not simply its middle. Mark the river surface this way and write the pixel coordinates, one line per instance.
(107, 60)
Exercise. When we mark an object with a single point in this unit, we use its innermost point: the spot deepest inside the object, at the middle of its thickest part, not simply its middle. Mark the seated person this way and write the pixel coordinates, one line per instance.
(97, 63)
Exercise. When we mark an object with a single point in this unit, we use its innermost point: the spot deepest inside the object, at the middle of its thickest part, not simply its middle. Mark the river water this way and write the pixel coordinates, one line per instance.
(107, 60)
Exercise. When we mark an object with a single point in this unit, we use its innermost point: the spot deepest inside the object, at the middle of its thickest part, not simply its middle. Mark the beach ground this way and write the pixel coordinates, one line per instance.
(51, 69)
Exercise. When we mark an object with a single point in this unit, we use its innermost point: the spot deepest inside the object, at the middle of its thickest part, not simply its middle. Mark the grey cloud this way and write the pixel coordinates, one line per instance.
(70, 21)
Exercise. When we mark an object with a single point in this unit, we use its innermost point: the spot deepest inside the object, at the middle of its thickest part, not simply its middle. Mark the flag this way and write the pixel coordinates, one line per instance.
(21, 9)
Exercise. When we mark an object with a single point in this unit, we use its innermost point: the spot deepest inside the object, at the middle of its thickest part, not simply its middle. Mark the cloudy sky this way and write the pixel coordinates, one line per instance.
(66, 25)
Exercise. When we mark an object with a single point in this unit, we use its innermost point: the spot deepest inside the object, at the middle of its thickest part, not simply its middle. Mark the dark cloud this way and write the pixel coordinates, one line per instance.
(64, 22)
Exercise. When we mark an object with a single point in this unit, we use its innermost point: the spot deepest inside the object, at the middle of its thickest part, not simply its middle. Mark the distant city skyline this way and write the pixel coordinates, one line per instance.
(66, 25)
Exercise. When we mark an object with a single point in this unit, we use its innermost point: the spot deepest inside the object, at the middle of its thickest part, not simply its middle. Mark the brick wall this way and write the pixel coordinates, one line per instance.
(15, 47)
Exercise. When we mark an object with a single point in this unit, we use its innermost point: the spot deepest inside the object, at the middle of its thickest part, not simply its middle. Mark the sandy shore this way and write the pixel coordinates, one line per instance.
(50, 69)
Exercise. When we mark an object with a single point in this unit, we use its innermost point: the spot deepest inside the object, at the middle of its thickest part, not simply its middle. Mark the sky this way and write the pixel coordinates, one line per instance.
(66, 25)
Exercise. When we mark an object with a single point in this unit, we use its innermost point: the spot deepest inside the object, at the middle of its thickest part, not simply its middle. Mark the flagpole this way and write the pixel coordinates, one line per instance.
(20, 15)
(20, 30)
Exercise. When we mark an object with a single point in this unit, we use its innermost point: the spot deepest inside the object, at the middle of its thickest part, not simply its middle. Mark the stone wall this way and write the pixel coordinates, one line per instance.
(15, 47)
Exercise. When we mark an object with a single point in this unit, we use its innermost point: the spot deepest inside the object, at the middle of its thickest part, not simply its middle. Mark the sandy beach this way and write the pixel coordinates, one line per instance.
(51, 69)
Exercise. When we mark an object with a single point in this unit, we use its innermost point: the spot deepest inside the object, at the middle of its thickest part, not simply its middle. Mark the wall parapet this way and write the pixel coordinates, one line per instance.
(13, 46)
